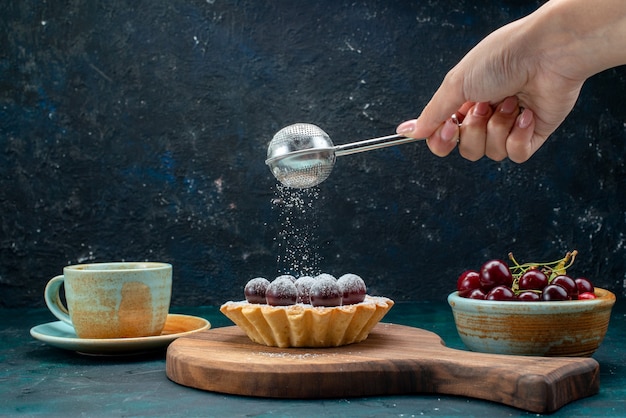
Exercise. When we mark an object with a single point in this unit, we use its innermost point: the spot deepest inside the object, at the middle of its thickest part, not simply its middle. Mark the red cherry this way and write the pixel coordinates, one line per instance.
(325, 292)
(468, 281)
(303, 284)
(495, 273)
(568, 284)
(584, 285)
(325, 276)
(255, 290)
(501, 293)
(281, 292)
(586, 296)
(475, 294)
(352, 288)
(286, 276)
(533, 280)
(528, 296)
(554, 292)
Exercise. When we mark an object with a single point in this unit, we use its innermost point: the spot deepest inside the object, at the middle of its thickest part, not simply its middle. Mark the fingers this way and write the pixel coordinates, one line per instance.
(445, 138)
(499, 127)
(474, 131)
(447, 100)
(522, 141)
(464, 110)
(497, 132)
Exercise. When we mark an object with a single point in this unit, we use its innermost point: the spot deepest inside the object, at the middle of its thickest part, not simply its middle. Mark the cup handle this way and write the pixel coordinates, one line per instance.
(53, 299)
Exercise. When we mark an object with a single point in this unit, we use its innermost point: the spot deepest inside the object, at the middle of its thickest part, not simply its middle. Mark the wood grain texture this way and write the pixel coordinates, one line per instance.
(394, 360)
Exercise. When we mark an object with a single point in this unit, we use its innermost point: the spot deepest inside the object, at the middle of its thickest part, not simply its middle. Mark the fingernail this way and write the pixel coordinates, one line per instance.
(406, 127)
(508, 105)
(481, 109)
(525, 119)
(449, 131)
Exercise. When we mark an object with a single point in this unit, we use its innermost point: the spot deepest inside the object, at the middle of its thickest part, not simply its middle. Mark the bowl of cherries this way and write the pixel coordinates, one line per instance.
(535, 309)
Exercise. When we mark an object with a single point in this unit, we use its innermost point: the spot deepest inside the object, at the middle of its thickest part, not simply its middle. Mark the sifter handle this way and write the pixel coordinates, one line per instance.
(372, 144)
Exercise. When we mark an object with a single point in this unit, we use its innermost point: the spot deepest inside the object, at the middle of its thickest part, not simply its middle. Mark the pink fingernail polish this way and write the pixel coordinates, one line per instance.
(406, 127)
(449, 131)
(525, 119)
(481, 109)
(508, 105)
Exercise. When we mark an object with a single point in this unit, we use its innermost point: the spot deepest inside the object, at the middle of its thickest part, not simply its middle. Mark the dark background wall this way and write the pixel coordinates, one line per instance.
(137, 130)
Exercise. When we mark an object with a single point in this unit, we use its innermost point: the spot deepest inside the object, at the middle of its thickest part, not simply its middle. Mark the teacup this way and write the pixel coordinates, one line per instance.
(112, 300)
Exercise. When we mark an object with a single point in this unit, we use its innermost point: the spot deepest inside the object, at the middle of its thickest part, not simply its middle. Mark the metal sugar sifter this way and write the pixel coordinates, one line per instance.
(302, 155)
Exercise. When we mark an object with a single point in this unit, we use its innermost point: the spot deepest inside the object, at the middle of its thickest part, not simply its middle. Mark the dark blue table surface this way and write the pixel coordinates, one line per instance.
(36, 379)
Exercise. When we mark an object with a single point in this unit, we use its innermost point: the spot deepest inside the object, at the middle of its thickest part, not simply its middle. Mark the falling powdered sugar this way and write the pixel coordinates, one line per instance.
(297, 240)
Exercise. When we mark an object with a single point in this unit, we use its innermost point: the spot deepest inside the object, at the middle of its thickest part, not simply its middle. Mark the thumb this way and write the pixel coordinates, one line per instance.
(446, 101)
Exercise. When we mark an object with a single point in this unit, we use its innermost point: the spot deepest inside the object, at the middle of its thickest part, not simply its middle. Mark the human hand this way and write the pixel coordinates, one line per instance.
(504, 73)
(486, 130)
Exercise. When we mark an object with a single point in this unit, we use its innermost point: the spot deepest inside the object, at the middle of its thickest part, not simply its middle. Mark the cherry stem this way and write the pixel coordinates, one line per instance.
(551, 268)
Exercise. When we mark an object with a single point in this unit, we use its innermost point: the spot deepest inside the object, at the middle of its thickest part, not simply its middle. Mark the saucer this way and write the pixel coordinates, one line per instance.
(61, 335)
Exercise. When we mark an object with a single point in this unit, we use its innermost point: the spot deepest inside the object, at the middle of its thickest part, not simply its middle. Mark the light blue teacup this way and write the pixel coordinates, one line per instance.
(113, 300)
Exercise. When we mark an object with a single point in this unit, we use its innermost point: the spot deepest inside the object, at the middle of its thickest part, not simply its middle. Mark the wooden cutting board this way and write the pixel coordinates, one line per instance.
(393, 360)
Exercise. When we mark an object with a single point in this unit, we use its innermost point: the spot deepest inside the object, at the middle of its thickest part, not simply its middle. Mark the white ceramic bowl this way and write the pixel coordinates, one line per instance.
(563, 328)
